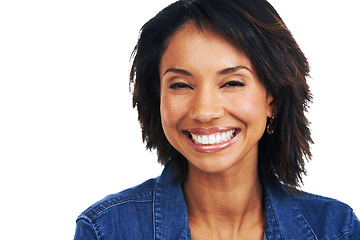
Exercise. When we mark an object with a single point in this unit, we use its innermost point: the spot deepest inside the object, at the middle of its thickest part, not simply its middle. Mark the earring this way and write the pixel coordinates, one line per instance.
(271, 126)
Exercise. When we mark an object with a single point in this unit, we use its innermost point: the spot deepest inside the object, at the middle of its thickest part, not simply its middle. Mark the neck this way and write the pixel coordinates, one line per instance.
(232, 200)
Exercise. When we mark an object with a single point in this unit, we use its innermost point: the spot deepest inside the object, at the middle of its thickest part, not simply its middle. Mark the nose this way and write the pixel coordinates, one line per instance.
(206, 106)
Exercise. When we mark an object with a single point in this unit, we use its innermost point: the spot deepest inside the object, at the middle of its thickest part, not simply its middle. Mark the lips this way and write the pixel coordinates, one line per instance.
(211, 139)
(215, 138)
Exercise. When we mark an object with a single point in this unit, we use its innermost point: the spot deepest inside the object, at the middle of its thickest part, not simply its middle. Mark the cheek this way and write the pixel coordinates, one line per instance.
(171, 112)
(250, 107)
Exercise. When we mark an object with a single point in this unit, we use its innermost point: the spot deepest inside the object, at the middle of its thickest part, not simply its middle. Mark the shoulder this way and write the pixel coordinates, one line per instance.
(142, 212)
(327, 216)
(316, 207)
(318, 216)
(314, 203)
(127, 214)
(138, 195)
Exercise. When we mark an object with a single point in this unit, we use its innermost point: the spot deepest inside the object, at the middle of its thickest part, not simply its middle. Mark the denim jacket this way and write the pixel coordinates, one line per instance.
(156, 210)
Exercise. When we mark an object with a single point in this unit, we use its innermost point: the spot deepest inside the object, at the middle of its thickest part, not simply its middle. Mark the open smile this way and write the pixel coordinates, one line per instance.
(211, 139)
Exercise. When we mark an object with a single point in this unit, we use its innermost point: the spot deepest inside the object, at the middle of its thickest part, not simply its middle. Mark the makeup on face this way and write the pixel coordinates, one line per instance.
(213, 107)
(211, 139)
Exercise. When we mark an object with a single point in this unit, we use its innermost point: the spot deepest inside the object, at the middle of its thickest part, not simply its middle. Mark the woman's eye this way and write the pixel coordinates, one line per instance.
(233, 84)
(180, 85)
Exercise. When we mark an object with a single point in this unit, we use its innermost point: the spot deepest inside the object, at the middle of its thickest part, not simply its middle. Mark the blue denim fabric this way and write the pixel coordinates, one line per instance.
(156, 210)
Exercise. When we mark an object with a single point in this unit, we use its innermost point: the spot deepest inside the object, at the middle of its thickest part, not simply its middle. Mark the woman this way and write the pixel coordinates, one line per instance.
(220, 88)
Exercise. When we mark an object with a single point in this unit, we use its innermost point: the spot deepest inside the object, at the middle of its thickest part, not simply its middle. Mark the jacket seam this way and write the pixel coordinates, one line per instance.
(94, 214)
(93, 225)
(350, 225)
(154, 210)
(307, 224)
(342, 236)
(275, 216)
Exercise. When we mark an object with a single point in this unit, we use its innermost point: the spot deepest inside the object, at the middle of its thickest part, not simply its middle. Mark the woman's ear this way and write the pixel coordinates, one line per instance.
(271, 106)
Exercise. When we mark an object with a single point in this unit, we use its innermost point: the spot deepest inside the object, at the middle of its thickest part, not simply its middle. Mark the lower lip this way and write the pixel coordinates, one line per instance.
(213, 147)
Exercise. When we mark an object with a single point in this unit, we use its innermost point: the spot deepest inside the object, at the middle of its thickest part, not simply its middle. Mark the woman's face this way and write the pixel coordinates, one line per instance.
(213, 106)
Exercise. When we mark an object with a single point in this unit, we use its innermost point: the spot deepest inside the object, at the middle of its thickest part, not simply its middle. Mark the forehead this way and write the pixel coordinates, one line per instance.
(190, 45)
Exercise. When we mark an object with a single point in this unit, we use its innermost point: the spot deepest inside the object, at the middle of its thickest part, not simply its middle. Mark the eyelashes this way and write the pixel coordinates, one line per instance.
(233, 84)
(182, 85)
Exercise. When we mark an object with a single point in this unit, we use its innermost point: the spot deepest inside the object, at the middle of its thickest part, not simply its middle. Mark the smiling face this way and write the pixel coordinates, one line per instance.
(213, 107)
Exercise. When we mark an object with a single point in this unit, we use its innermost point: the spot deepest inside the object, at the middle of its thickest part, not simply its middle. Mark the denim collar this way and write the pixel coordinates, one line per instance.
(170, 213)
(284, 220)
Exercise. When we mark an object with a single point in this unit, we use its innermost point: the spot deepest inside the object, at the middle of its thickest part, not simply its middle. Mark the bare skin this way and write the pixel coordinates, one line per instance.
(220, 207)
(209, 87)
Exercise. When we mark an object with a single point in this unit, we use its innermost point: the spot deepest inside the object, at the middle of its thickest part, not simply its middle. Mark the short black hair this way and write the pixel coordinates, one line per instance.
(256, 28)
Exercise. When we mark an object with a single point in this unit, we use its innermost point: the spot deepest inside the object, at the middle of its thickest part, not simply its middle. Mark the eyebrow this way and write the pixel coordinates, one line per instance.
(221, 72)
(233, 69)
(177, 70)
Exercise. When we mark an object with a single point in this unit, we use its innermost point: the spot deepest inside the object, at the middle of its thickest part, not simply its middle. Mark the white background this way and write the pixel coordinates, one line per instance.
(68, 133)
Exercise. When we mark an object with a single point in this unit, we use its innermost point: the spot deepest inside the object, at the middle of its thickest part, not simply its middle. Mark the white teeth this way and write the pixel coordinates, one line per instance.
(218, 138)
(223, 136)
(213, 138)
(204, 140)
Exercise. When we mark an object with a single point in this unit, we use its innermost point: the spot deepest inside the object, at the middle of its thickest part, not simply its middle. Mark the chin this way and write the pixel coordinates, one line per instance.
(212, 164)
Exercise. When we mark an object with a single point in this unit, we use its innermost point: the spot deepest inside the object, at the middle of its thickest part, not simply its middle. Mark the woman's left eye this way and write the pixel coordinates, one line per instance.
(233, 84)
(180, 85)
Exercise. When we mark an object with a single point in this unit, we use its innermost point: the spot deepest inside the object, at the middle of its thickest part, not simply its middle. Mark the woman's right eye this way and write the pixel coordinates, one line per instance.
(180, 85)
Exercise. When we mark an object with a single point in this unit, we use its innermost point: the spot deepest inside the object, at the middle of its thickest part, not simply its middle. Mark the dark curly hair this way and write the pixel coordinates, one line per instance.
(255, 27)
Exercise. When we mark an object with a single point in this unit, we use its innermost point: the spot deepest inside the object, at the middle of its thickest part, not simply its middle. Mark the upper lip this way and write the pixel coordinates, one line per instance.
(208, 131)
